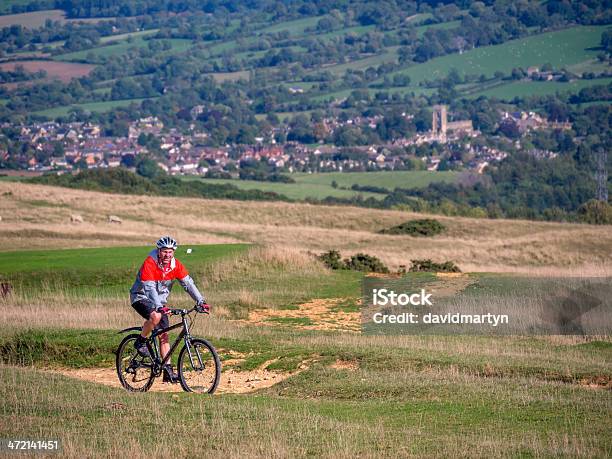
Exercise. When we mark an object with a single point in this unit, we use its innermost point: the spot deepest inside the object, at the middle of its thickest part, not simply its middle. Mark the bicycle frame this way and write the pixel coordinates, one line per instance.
(184, 335)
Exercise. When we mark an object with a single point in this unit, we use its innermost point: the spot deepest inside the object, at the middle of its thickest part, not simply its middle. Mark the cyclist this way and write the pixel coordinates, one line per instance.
(149, 296)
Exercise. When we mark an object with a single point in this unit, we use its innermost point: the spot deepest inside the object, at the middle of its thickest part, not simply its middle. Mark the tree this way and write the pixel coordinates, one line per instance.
(148, 168)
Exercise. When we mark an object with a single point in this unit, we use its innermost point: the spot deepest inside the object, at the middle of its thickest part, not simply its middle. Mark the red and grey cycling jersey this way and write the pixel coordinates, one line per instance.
(154, 282)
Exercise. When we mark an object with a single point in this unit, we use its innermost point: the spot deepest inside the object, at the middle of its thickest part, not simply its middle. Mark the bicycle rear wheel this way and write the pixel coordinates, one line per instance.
(199, 367)
(134, 371)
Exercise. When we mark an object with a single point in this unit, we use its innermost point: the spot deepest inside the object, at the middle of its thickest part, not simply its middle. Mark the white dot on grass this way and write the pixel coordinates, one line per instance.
(188, 251)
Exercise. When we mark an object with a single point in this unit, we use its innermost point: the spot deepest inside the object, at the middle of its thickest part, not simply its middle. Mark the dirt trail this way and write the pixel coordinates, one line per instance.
(449, 284)
(233, 381)
(318, 314)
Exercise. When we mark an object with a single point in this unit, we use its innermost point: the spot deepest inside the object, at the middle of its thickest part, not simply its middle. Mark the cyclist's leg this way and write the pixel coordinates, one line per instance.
(152, 318)
(153, 322)
(164, 343)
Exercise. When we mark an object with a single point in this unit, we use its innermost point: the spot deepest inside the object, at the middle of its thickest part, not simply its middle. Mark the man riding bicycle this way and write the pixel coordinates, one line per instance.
(149, 296)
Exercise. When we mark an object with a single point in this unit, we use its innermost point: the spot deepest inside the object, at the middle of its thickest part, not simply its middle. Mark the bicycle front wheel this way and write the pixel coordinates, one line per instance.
(134, 371)
(199, 367)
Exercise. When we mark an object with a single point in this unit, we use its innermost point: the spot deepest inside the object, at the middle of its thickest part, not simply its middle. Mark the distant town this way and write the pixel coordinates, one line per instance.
(74, 146)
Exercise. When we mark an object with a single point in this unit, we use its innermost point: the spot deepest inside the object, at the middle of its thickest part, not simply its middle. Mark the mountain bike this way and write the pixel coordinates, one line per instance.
(199, 367)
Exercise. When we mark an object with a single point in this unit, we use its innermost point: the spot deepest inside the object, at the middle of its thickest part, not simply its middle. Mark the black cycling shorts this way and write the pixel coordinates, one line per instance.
(145, 311)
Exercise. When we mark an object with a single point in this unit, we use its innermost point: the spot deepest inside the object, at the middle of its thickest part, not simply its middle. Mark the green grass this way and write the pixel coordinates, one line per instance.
(561, 48)
(434, 396)
(319, 186)
(295, 28)
(178, 45)
(290, 320)
(385, 179)
(541, 88)
(106, 269)
(95, 107)
(427, 417)
(11, 178)
(125, 36)
(389, 55)
(441, 26)
(230, 76)
(298, 191)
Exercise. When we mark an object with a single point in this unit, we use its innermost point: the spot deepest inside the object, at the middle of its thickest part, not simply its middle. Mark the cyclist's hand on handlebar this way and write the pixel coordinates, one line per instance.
(203, 307)
(164, 310)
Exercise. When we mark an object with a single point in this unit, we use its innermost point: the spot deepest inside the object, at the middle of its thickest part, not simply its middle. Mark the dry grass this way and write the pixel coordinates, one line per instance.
(35, 216)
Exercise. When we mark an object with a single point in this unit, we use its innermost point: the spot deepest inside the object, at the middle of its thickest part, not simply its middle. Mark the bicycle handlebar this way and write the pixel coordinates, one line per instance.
(176, 312)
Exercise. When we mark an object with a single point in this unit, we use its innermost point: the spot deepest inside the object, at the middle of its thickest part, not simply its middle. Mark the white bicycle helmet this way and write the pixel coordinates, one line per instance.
(166, 242)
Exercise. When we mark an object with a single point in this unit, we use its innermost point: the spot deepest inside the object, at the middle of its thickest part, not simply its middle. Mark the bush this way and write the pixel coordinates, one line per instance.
(595, 212)
(423, 227)
(358, 262)
(431, 266)
(364, 262)
(332, 259)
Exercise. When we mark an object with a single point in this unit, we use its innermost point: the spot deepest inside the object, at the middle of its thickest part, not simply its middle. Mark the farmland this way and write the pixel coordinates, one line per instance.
(279, 314)
(319, 186)
(64, 71)
(562, 48)
(123, 46)
(522, 88)
(91, 107)
(32, 20)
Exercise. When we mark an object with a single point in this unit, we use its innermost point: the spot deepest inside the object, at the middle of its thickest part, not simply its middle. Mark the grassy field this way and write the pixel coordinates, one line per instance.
(230, 76)
(106, 269)
(319, 186)
(295, 28)
(297, 379)
(525, 88)
(299, 191)
(386, 179)
(90, 106)
(339, 393)
(122, 47)
(561, 48)
(38, 217)
(442, 26)
(125, 36)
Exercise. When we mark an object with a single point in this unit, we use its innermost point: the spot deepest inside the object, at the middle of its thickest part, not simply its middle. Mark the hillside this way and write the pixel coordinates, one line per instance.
(35, 216)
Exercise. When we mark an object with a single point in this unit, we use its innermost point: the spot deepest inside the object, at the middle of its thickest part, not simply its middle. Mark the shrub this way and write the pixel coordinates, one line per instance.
(332, 259)
(364, 262)
(595, 212)
(358, 262)
(423, 227)
(431, 266)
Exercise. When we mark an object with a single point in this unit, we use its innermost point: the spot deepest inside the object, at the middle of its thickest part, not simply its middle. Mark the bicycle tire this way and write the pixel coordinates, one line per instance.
(212, 376)
(124, 352)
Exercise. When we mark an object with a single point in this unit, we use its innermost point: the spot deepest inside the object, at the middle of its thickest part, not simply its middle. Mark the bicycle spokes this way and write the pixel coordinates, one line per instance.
(199, 367)
(135, 372)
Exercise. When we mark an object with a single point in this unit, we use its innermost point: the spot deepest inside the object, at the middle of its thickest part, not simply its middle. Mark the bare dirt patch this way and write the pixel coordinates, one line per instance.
(318, 314)
(32, 20)
(232, 381)
(64, 71)
(597, 382)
